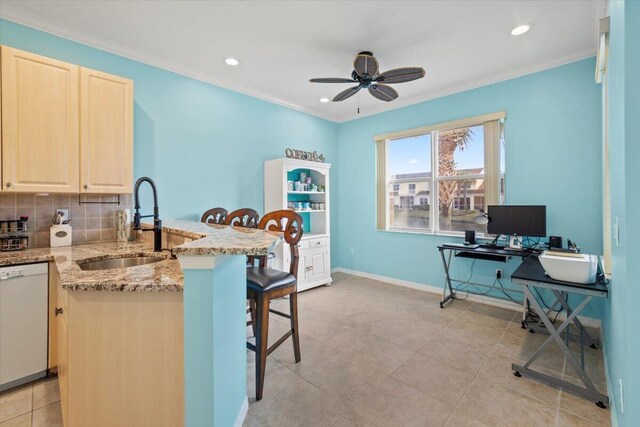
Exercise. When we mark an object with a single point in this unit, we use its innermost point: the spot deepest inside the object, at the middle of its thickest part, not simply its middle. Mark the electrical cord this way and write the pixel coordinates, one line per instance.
(466, 282)
(460, 287)
(479, 293)
(504, 291)
(545, 304)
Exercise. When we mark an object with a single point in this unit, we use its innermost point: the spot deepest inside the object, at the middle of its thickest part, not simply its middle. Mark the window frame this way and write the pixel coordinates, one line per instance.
(382, 147)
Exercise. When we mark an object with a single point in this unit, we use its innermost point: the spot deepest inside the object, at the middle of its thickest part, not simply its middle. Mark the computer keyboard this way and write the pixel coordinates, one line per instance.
(462, 245)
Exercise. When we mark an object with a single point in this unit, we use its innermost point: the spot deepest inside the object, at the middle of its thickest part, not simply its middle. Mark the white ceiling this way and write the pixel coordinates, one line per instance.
(281, 45)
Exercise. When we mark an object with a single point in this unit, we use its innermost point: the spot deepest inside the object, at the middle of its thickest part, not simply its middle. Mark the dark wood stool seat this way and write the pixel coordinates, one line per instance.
(267, 279)
(265, 284)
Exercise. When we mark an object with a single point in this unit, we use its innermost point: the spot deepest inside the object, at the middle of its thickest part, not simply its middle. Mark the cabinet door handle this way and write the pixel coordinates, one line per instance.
(8, 184)
(85, 186)
(58, 311)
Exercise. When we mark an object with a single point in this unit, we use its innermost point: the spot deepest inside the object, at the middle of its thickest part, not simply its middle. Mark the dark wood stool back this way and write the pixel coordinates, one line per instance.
(290, 224)
(246, 218)
(215, 216)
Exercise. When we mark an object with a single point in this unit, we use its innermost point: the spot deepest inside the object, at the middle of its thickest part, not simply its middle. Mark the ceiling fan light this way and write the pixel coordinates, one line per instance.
(231, 61)
(323, 100)
(521, 29)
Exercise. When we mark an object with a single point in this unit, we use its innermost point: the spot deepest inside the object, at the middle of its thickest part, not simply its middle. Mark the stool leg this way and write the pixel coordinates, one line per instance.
(262, 339)
(252, 312)
(293, 311)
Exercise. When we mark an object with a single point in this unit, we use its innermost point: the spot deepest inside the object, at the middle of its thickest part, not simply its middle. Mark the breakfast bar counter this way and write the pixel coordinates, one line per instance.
(163, 276)
(159, 344)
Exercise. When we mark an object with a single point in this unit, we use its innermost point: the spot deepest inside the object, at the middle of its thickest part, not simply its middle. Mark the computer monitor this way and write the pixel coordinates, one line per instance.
(517, 220)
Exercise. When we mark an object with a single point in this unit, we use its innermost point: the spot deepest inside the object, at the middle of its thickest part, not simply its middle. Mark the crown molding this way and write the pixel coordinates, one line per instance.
(477, 83)
(10, 13)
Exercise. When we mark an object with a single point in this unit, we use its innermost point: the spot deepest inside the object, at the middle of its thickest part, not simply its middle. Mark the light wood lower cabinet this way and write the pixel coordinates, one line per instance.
(120, 358)
(53, 324)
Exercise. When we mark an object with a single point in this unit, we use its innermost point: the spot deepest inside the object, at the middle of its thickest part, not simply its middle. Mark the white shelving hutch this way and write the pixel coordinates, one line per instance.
(314, 266)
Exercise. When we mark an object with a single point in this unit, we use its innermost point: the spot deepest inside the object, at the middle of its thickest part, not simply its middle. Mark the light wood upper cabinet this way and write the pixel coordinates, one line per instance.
(40, 123)
(106, 136)
(65, 129)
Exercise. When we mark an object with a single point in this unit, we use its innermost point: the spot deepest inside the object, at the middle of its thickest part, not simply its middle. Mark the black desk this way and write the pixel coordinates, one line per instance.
(485, 253)
(530, 274)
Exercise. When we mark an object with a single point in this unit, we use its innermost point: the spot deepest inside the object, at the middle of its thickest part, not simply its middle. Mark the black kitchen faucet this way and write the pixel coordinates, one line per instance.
(157, 223)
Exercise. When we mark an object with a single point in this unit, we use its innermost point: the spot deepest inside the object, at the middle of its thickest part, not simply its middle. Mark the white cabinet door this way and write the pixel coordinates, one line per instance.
(303, 268)
(317, 264)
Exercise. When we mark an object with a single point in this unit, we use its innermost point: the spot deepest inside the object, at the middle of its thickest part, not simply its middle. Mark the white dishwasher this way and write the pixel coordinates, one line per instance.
(24, 295)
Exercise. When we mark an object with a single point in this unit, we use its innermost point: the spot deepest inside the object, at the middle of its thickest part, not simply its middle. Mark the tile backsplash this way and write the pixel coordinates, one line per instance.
(90, 222)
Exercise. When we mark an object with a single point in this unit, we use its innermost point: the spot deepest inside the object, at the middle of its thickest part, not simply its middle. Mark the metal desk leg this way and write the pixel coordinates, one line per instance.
(589, 390)
(593, 342)
(447, 283)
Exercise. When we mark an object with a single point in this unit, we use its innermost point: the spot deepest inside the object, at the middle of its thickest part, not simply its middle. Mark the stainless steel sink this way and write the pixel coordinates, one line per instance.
(107, 264)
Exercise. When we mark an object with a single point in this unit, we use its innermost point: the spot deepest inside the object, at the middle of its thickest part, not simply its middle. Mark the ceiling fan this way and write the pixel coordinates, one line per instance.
(366, 74)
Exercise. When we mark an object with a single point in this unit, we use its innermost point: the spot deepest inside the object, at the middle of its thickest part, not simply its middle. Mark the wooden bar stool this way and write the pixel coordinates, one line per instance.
(215, 216)
(265, 284)
(246, 218)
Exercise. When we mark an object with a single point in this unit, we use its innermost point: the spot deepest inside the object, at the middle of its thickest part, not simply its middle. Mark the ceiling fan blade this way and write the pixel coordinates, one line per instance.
(383, 92)
(346, 94)
(366, 65)
(331, 80)
(401, 75)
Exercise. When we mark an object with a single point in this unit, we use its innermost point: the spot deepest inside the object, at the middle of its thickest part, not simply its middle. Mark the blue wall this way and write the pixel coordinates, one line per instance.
(204, 145)
(199, 139)
(553, 157)
(622, 323)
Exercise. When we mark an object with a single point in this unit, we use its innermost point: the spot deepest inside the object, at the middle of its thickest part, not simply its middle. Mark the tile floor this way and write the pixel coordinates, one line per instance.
(375, 354)
(36, 405)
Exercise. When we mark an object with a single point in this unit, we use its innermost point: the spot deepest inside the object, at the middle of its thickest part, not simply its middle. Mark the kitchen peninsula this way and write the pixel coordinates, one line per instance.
(140, 345)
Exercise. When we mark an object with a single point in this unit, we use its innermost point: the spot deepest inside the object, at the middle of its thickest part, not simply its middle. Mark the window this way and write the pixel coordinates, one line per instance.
(406, 176)
(461, 161)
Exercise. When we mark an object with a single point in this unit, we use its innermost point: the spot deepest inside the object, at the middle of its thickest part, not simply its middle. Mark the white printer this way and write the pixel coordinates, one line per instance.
(570, 267)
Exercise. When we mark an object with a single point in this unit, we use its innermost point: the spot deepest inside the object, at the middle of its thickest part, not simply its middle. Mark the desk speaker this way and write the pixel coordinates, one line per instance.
(470, 236)
(555, 242)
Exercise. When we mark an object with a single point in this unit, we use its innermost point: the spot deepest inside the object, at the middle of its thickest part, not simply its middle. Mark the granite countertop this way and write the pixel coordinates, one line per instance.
(163, 276)
(211, 239)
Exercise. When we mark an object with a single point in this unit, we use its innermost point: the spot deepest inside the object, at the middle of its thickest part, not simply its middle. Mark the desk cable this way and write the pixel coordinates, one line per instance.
(467, 283)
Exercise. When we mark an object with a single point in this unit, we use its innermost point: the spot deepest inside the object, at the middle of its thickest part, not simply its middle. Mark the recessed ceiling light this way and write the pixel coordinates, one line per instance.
(324, 99)
(521, 29)
(231, 61)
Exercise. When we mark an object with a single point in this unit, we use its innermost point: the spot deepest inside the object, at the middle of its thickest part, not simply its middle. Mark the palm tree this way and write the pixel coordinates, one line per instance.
(448, 141)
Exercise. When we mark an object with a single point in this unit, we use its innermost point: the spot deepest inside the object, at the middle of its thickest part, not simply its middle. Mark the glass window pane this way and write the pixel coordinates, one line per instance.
(461, 151)
(459, 201)
(408, 182)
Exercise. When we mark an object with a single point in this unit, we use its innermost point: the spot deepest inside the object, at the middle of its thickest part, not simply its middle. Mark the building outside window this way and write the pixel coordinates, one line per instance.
(466, 157)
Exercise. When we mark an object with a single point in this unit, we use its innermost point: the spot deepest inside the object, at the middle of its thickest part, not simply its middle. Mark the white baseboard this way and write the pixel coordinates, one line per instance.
(242, 413)
(482, 299)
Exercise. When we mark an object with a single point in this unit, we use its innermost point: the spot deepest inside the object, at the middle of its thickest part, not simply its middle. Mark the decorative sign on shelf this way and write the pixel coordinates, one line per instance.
(303, 155)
